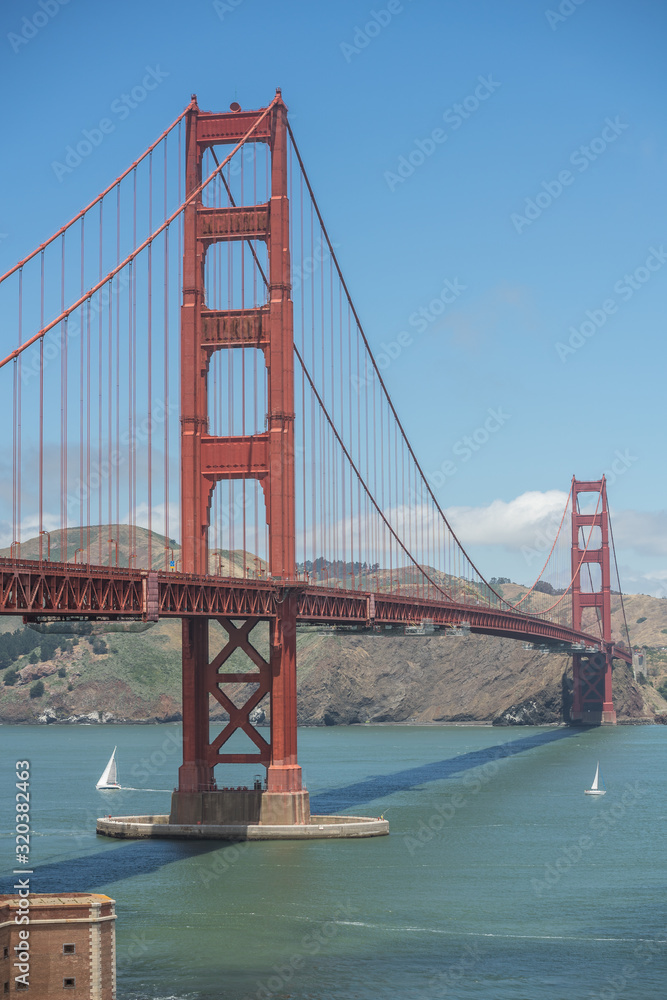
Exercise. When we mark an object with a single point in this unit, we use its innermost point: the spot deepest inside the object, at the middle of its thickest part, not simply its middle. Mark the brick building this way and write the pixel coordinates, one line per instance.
(71, 949)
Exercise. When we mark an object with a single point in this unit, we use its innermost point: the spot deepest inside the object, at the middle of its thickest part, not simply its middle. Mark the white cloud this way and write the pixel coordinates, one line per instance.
(513, 524)
(528, 524)
(636, 582)
(642, 531)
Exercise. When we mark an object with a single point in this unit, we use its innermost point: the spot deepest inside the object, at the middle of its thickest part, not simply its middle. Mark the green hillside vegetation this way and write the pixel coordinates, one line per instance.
(94, 672)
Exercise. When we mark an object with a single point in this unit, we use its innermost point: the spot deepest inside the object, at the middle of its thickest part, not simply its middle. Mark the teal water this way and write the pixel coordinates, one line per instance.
(500, 879)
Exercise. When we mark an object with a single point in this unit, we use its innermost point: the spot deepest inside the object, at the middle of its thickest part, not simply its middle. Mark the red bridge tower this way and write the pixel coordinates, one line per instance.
(592, 697)
(267, 457)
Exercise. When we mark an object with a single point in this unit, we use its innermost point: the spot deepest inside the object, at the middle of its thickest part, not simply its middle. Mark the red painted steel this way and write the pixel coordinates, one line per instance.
(42, 589)
(592, 699)
(239, 717)
(268, 457)
(65, 590)
(284, 773)
(196, 772)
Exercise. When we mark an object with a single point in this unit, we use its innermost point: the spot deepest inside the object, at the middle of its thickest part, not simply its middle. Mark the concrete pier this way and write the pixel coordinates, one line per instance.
(317, 828)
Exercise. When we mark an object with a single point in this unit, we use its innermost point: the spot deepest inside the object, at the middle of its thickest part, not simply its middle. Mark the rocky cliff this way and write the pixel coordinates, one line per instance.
(133, 673)
(343, 679)
(434, 679)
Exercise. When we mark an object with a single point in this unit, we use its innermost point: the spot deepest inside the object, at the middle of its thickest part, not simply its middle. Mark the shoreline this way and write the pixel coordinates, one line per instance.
(86, 721)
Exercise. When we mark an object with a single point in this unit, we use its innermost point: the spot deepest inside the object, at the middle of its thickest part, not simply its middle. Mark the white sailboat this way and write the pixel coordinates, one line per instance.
(109, 777)
(595, 787)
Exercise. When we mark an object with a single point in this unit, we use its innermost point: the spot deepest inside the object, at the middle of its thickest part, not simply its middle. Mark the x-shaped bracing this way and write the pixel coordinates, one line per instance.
(239, 718)
(592, 673)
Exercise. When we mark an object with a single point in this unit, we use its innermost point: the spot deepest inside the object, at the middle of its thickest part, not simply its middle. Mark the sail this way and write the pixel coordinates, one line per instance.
(596, 779)
(112, 777)
(109, 775)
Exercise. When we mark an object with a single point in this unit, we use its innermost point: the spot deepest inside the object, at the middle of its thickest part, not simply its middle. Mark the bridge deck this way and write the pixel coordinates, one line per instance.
(31, 588)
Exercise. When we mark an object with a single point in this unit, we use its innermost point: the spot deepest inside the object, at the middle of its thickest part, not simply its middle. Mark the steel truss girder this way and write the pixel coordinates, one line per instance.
(29, 587)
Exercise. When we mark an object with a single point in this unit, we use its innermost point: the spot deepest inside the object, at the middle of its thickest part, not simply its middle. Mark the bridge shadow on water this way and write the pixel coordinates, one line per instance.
(349, 797)
(88, 872)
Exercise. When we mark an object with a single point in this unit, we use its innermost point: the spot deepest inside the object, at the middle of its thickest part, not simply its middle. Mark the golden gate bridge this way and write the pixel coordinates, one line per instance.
(163, 321)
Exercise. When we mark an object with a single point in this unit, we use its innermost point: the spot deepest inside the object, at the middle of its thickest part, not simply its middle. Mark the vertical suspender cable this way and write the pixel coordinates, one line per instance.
(118, 458)
(165, 330)
(149, 365)
(110, 455)
(88, 430)
(82, 339)
(100, 337)
(40, 501)
(63, 409)
(243, 387)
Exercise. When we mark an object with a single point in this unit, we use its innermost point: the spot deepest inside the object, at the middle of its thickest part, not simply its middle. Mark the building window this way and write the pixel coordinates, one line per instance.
(6, 989)
(21, 986)
(69, 984)
(69, 949)
(5, 952)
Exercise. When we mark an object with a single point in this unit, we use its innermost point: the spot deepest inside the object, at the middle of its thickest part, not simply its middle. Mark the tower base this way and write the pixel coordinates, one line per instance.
(242, 806)
(594, 718)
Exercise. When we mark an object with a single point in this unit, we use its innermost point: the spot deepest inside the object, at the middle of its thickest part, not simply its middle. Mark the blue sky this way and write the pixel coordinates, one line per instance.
(560, 117)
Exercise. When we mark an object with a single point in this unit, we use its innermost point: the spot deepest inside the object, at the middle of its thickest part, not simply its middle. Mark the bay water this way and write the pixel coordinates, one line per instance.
(500, 878)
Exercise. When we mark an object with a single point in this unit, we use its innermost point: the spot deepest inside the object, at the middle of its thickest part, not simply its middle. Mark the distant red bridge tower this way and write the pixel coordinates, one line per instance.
(592, 696)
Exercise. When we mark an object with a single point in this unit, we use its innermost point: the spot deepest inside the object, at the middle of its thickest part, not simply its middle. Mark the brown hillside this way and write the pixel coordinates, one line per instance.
(342, 677)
